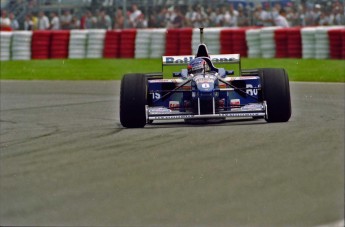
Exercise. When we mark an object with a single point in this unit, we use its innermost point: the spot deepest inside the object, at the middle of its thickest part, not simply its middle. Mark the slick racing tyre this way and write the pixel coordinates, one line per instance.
(133, 98)
(276, 92)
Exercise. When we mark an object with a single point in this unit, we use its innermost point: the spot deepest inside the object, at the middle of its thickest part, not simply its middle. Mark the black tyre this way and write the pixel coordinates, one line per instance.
(133, 98)
(276, 92)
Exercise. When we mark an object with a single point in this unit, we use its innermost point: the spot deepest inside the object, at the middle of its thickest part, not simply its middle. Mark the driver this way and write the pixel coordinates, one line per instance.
(198, 65)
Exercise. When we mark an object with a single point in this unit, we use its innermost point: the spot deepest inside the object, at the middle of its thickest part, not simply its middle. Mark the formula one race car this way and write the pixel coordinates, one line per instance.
(202, 91)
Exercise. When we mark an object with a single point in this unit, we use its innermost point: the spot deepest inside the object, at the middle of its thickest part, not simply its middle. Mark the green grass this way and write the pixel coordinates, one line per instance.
(113, 69)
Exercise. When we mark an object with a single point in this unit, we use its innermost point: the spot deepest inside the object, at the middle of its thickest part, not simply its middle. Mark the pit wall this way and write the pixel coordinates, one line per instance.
(267, 42)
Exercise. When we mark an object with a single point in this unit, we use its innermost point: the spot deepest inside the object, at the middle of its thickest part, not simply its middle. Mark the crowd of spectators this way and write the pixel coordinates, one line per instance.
(195, 16)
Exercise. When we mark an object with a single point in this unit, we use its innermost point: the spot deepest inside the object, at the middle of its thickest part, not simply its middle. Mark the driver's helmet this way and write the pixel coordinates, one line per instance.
(198, 65)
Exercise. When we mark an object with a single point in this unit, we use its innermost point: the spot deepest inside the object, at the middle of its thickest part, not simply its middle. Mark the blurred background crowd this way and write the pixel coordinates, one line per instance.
(120, 14)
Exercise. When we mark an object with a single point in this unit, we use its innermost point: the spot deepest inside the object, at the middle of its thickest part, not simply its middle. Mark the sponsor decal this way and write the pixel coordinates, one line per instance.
(174, 104)
(166, 81)
(240, 78)
(220, 58)
(178, 60)
(235, 102)
(240, 114)
(250, 90)
(204, 80)
(159, 110)
(171, 117)
(252, 106)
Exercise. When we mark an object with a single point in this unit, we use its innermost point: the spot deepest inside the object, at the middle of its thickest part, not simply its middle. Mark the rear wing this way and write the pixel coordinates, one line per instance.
(215, 59)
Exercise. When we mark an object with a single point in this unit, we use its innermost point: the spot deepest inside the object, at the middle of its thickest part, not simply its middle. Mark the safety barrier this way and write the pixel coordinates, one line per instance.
(185, 41)
(143, 43)
(95, 43)
(253, 41)
(77, 44)
(40, 45)
(294, 43)
(211, 38)
(112, 44)
(321, 43)
(268, 45)
(308, 42)
(59, 44)
(21, 45)
(336, 43)
(343, 43)
(240, 44)
(157, 45)
(172, 43)
(5, 44)
(266, 42)
(226, 41)
(127, 47)
(281, 41)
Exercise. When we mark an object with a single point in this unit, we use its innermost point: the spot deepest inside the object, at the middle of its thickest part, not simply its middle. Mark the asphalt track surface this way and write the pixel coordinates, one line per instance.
(67, 161)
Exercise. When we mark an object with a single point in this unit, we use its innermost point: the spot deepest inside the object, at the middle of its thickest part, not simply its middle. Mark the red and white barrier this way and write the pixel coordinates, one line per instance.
(95, 43)
(21, 45)
(5, 45)
(185, 41)
(240, 44)
(157, 45)
(268, 46)
(281, 41)
(321, 43)
(343, 43)
(253, 41)
(267, 42)
(59, 44)
(143, 43)
(294, 43)
(226, 41)
(211, 38)
(127, 48)
(77, 44)
(112, 44)
(172, 43)
(308, 42)
(40, 44)
(336, 44)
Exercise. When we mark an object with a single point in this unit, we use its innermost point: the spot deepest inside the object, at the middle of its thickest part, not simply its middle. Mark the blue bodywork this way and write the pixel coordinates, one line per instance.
(244, 90)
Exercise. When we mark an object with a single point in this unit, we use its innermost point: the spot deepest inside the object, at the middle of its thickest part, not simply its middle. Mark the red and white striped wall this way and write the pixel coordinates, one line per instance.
(251, 42)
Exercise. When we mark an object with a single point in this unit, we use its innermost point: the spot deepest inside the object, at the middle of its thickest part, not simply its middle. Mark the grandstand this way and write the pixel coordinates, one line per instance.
(21, 8)
(58, 5)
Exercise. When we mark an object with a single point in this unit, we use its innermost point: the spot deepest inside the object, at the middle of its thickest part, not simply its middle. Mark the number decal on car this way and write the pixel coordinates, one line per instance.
(156, 95)
(205, 85)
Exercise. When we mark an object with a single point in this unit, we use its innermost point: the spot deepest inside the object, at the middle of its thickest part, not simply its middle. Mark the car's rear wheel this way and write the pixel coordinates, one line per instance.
(276, 92)
(133, 98)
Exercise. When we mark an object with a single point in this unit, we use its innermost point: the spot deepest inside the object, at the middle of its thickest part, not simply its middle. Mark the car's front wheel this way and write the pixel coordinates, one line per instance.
(276, 92)
(133, 99)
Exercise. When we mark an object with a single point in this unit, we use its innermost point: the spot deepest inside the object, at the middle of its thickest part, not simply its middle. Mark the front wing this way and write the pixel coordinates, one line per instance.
(249, 110)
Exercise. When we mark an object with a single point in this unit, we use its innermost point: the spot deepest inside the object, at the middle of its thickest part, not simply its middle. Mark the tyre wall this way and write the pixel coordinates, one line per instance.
(267, 42)
(59, 44)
